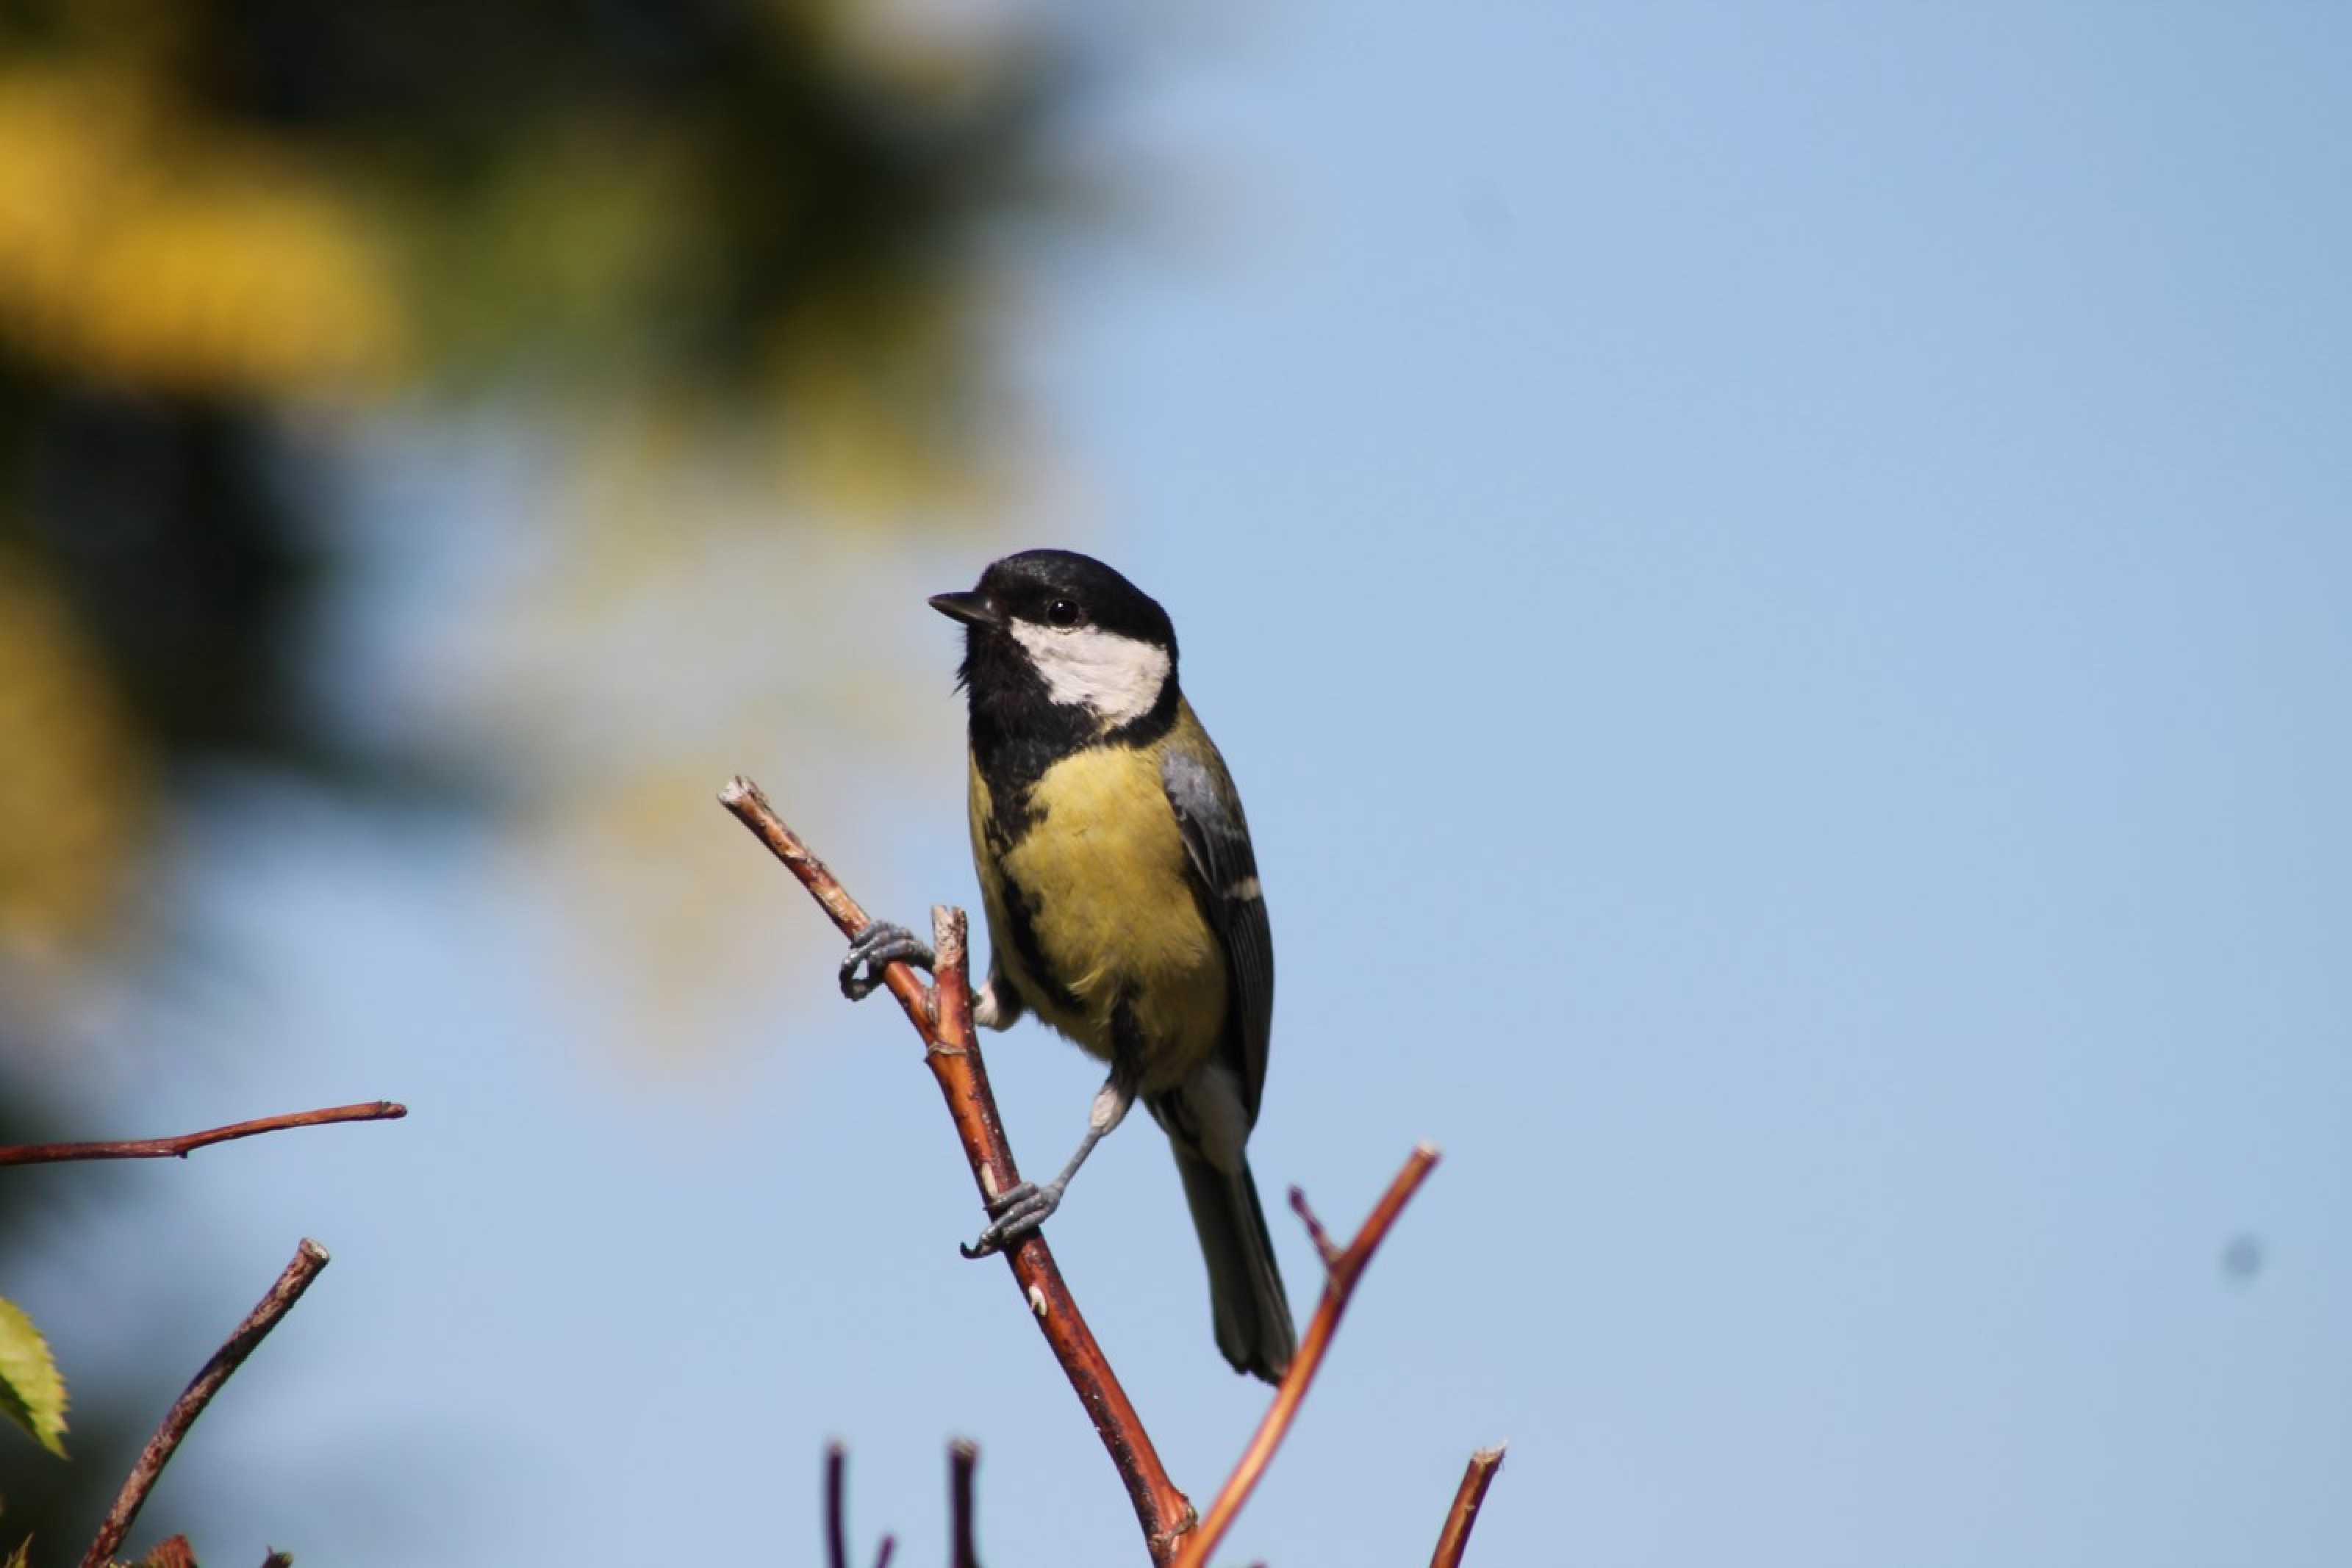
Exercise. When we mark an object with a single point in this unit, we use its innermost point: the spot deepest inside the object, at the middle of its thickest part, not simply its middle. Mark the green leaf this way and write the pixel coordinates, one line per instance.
(31, 1392)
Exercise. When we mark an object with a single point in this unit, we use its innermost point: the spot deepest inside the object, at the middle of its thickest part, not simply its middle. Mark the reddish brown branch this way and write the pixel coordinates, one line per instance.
(1464, 1514)
(955, 1063)
(1344, 1268)
(187, 1142)
(309, 1258)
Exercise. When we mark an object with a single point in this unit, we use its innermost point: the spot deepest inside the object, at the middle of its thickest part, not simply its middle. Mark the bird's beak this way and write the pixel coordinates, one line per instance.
(972, 609)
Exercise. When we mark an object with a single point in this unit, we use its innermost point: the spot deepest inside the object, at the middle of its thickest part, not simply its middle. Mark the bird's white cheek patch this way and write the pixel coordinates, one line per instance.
(1118, 677)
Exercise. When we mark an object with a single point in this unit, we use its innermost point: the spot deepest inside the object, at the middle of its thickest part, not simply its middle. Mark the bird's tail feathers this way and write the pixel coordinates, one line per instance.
(1253, 1314)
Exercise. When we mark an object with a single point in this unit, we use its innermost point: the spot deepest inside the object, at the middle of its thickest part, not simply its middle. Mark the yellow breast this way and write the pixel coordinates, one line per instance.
(1104, 879)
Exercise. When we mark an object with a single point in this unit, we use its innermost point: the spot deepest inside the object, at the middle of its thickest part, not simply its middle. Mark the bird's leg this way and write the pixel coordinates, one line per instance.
(875, 948)
(998, 1006)
(1015, 1214)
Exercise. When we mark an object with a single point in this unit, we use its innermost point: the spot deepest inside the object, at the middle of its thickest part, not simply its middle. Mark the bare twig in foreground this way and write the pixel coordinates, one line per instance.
(1464, 1514)
(836, 1528)
(187, 1142)
(837, 1513)
(963, 1457)
(309, 1258)
(1345, 1267)
(954, 1059)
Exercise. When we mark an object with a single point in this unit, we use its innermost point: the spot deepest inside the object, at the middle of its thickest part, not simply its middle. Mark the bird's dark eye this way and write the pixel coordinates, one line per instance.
(1062, 613)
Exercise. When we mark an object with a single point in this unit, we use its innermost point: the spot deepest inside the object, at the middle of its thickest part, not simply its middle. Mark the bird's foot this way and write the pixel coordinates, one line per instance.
(875, 948)
(1014, 1214)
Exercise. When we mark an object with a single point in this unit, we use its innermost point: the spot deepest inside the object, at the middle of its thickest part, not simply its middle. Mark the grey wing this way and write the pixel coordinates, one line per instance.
(1225, 868)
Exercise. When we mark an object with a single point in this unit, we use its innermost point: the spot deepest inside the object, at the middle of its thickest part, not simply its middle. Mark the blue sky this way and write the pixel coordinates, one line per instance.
(1774, 579)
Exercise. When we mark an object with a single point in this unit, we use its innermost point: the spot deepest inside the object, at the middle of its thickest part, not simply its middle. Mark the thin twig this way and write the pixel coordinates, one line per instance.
(963, 1456)
(954, 1059)
(836, 1528)
(309, 1258)
(890, 1549)
(1325, 1248)
(1464, 1514)
(180, 1147)
(1346, 1267)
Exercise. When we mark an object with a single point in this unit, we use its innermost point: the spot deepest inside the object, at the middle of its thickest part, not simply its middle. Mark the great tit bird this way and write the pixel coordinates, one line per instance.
(1123, 903)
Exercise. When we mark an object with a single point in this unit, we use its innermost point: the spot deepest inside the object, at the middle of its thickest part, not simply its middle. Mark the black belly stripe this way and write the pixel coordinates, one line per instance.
(1129, 1049)
(1021, 921)
(1015, 736)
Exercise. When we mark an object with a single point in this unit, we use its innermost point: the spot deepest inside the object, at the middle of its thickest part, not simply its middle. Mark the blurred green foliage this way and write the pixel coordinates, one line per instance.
(721, 215)
(769, 221)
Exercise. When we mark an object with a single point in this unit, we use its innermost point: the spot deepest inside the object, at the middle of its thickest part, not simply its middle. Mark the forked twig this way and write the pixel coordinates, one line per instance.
(1476, 1479)
(954, 1059)
(187, 1143)
(837, 1513)
(1343, 1269)
(309, 1258)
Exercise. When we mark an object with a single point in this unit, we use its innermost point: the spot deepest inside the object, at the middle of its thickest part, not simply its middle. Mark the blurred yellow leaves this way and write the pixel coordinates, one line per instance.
(74, 787)
(642, 634)
(145, 247)
(739, 266)
(849, 368)
(788, 240)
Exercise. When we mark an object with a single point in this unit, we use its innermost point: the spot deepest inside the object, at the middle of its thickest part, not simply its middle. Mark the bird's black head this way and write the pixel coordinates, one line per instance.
(1058, 640)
